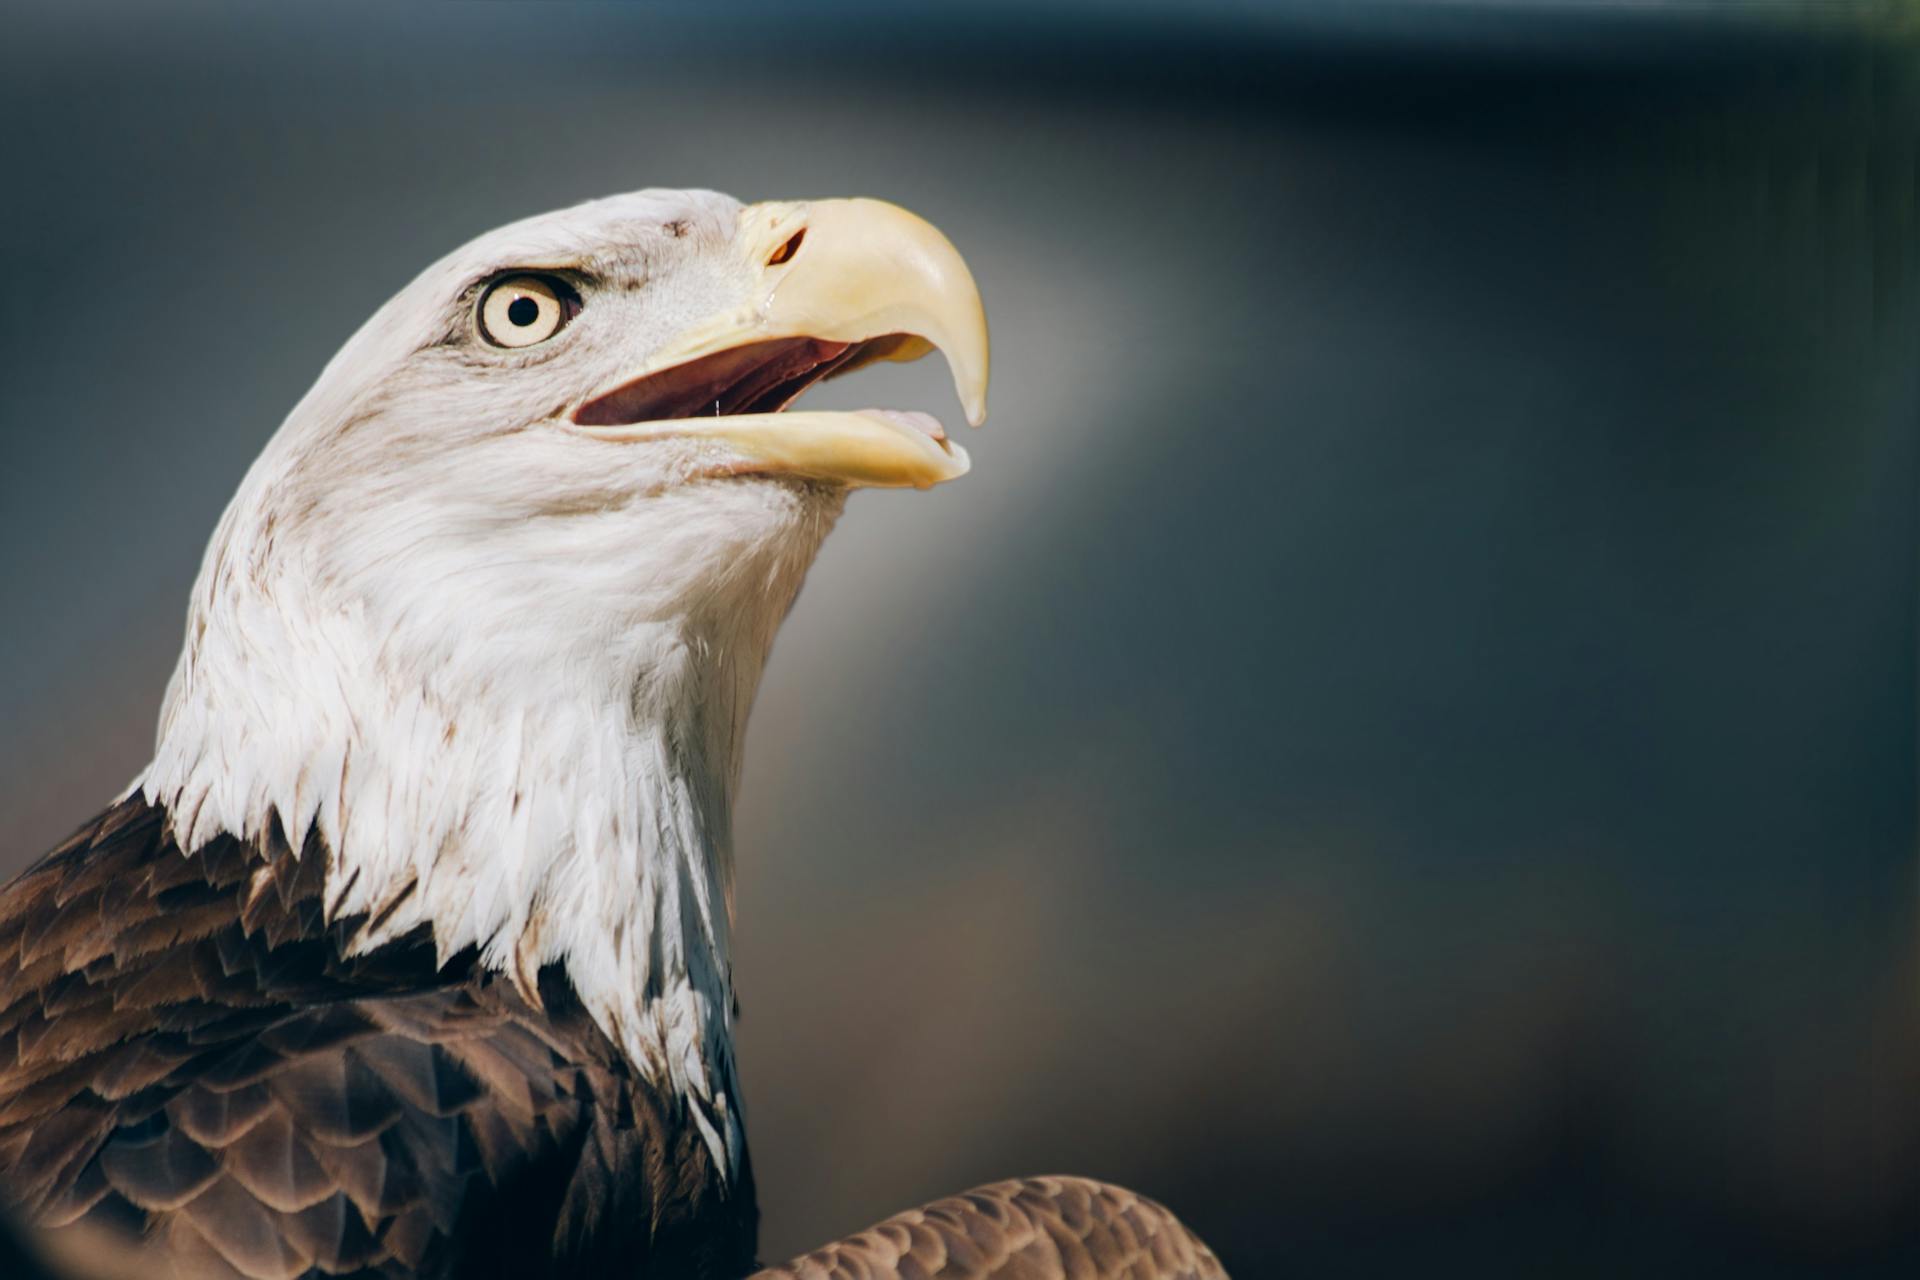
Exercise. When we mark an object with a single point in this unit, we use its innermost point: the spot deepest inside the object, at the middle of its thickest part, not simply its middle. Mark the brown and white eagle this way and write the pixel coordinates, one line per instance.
(408, 954)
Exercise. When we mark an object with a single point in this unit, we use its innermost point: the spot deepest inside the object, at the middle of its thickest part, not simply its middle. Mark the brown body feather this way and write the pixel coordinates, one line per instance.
(188, 1058)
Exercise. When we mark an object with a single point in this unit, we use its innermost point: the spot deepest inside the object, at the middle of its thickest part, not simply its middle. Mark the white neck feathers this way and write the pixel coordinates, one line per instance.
(524, 736)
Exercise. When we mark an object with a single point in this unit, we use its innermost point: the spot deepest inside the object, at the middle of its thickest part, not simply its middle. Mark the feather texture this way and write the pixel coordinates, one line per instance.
(189, 1056)
(1029, 1229)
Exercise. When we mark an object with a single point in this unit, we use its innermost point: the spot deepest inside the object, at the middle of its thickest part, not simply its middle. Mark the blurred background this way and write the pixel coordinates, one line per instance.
(1404, 747)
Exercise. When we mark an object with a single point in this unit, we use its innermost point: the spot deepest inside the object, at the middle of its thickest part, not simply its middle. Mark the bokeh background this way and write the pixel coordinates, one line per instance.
(1404, 747)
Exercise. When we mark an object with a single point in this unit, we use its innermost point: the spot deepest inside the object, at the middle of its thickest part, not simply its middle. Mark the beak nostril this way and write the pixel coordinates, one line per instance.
(787, 250)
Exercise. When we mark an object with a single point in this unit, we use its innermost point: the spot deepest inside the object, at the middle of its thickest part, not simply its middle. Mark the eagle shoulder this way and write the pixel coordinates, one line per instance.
(191, 1057)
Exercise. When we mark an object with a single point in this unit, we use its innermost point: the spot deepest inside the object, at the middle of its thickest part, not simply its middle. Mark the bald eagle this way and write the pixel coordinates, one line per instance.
(408, 954)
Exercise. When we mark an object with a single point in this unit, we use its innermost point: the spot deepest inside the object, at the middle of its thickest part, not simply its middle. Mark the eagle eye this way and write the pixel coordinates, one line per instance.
(519, 311)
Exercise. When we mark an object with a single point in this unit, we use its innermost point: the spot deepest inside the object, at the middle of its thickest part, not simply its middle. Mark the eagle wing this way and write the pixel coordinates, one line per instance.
(1029, 1229)
(189, 1058)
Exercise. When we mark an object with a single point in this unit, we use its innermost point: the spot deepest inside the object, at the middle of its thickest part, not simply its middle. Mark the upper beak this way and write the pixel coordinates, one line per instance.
(840, 272)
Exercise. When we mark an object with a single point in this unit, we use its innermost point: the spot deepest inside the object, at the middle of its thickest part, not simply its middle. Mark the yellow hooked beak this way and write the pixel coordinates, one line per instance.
(835, 284)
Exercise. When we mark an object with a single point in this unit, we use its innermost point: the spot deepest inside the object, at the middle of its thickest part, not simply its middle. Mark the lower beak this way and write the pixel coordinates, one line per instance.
(862, 448)
(846, 272)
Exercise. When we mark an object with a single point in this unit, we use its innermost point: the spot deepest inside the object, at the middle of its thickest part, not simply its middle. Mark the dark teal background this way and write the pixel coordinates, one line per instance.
(1404, 746)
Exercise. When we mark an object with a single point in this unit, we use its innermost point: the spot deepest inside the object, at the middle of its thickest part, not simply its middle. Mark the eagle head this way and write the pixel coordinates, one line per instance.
(485, 619)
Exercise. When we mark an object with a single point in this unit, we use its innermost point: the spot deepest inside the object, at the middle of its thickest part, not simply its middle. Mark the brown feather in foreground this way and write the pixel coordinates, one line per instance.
(1028, 1229)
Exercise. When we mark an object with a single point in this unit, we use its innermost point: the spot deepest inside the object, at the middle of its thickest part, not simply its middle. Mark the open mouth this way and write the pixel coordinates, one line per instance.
(835, 285)
(755, 378)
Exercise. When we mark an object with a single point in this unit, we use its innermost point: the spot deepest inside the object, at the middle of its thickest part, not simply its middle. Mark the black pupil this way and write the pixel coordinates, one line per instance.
(523, 311)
